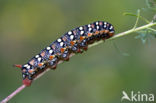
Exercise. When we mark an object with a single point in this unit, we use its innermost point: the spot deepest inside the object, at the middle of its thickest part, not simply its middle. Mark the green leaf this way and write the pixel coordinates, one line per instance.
(136, 15)
(154, 18)
(146, 35)
(151, 3)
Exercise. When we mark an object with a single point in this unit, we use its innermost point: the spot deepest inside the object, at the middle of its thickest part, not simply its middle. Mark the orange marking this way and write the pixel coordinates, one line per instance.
(43, 54)
(51, 57)
(62, 50)
(32, 62)
(102, 31)
(72, 43)
(106, 31)
(40, 64)
(81, 38)
(97, 32)
(31, 71)
(90, 34)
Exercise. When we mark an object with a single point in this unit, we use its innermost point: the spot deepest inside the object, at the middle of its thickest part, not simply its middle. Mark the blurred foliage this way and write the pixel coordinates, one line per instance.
(97, 76)
(151, 4)
(146, 35)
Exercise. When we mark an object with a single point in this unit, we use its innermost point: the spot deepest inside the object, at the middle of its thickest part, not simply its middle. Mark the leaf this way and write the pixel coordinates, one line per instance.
(151, 3)
(146, 35)
(154, 18)
(136, 15)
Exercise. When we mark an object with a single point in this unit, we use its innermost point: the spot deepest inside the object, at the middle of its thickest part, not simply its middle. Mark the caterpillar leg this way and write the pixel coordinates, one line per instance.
(79, 50)
(65, 55)
(84, 45)
(106, 34)
(85, 48)
(54, 66)
(53, 63)
(76, 49)
(98, 37)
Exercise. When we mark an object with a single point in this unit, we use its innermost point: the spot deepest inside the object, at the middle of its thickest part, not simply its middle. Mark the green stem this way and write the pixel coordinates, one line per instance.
(152, 29)
(138, 15)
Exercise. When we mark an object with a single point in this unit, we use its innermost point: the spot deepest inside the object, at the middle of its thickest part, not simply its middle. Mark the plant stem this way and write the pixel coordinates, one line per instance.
(97, 43)
(13, 94)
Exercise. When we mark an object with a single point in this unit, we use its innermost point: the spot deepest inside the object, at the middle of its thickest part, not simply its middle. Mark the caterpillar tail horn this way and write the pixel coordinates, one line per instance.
(18, 66)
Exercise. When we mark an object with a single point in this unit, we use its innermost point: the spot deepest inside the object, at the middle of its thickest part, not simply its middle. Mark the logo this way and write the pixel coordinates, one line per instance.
(137, 97)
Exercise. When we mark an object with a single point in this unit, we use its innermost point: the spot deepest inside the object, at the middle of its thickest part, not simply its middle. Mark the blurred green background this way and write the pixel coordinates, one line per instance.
(96, 76)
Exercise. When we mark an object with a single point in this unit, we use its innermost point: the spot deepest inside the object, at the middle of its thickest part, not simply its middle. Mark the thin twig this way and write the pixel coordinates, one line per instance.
(13, 94)
(97, 43)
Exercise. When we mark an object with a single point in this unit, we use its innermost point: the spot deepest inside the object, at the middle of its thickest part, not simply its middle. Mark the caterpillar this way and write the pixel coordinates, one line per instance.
(74, 41)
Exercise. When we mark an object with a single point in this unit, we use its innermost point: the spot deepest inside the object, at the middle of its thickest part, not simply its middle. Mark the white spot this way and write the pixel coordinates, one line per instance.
(82, 32)
(97, 27)
(48, 48)
(28, 67)
(59, 40)
(37, 56)
(39, 59)
(72, 37)
(25, 65)
(69, 32)
(50, 51)
(23, 76)
(111, 27)
(105, 23)
(90, 29)
(97, 23)
(89, 25)
(104, 26)
(61, 44)
(81, 28)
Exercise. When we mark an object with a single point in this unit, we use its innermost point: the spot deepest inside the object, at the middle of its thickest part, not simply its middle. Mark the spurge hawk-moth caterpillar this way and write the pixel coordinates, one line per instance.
(74, 41)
